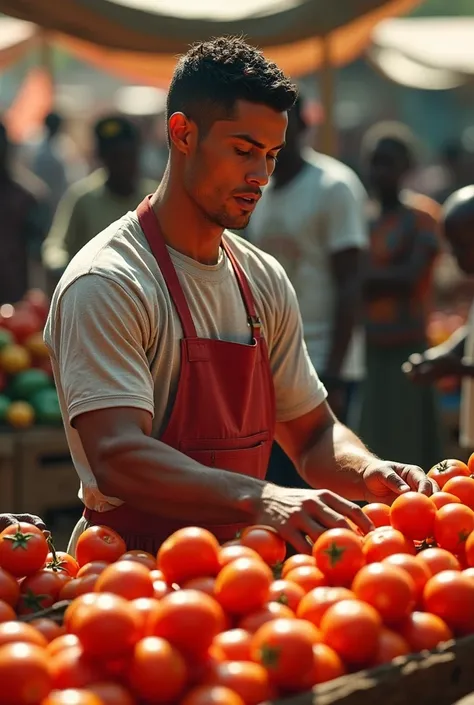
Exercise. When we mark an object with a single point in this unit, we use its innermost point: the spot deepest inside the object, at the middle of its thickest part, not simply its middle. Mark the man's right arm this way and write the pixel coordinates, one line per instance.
(444, 360)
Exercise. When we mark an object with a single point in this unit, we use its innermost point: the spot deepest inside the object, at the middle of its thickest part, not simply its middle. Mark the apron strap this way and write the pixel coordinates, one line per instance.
(247, 296)
(151, 227)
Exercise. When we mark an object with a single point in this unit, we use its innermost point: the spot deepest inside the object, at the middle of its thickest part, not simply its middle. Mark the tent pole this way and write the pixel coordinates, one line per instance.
(327, 92)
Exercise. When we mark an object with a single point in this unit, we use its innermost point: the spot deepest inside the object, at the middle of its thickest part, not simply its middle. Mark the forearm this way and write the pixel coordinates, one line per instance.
(346, 314)
(156, 478)
(336, 462)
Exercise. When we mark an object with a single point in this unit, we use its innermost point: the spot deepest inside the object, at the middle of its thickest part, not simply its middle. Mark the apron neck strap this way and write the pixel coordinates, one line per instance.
(247, 296)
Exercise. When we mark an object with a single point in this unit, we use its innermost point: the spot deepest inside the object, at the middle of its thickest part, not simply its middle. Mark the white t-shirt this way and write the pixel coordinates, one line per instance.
(114, 335)
(320, 212)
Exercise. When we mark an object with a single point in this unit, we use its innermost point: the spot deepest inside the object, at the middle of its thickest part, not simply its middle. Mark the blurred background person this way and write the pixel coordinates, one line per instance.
(48, 163)
(397, 416)
(311, 218)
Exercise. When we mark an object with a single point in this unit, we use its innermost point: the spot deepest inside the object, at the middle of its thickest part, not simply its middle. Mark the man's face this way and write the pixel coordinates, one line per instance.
(387, 167)
(224, 172)
(122, 162)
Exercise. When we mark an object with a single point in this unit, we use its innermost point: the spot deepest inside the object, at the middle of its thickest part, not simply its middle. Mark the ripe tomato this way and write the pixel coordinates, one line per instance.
(61, 643)
(80, 603)
(108, 627)
(189, 620)
(423, 630)
(7, 613)
(285, 648)
(160, 589)
(143, 557)
(352, 629)
(77, 696)
(450, 595)
(338, 554)
(462, 487)
(206, 585)
(266, 542)
(147, 609)
(191, 552)
(157, 671)
(313, 605)
(9, 588)
(378, 513)
(469, 572)
(212, 695)
(390, 590)
(385, 542)
(11, 632)
(128, 579)
(62, 561)
(92, 568)
(416, 569)
(23, 549)
(453, 524)
(296, 561)
(249, 680)
(390, 646)
(269, 612)
(413, 514)
(227, 554)
(48, 628)
(78, 586)
(469, 550)
(307, 577)
(99, 543)
(24, 674)
(438, 560)
(440, 499)
(39, 591)
(286, 592)
(243, 585)
(232, 645)
(70, 668)
(446, 469)
(112, 694)
(327, 665)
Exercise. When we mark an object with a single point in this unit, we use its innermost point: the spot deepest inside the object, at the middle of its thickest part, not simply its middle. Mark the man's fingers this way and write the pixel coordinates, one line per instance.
(296, 539)
(311, 528)
(353, 512)
(418, 481)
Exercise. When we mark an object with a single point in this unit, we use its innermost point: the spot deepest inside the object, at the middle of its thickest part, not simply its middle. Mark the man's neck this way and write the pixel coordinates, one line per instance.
(184, 226)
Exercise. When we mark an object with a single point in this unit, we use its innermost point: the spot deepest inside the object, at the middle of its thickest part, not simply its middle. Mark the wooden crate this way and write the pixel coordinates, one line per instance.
(7, 469)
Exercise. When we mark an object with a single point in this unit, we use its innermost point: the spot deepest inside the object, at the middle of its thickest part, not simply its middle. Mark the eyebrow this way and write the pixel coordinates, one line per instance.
(256, 143)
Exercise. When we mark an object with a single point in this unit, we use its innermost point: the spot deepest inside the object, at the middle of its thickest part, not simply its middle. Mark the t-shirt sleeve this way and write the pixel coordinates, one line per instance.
(99, 339)
(346, 221)
(298, 388)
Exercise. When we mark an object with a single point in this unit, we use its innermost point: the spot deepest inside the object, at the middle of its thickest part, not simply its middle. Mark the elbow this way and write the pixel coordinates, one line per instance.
(107, 466)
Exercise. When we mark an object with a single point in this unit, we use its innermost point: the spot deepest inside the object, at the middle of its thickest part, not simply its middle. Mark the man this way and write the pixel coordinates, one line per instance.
(454, 357)
(48, 163)
(91, 204)
(177, 347)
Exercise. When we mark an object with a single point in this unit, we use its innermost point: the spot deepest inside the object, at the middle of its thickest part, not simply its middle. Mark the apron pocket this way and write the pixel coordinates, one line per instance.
(248, 455)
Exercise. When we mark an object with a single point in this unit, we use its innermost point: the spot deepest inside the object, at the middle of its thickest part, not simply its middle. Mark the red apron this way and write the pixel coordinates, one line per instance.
(224, 411)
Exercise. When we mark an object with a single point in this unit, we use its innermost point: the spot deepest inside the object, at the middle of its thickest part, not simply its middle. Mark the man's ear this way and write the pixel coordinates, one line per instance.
(182, 132)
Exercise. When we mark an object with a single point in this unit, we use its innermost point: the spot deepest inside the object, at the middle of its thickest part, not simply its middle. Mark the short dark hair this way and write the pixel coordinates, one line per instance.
(112, 130)
(397, 134)
(213, 75)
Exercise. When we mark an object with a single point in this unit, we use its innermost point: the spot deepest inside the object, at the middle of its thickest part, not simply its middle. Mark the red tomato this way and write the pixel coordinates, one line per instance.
(157, 671)
(243, 585)
(24, 323)
(416, 569)
(423, 630)
(462, 487)
(143, 557)
(390, 590)
(206, 585)
(297, 561)
(7, 613)
(70, 668)
(12, 632)
(23, 549)
(148, 610)
(227, 554)
(352, 628)
(385, 542)
(9, 588)
(62, 561)
(446, 469)
(232, 645)
(390, 646)
(413, 514)
(24, 674)
(453, 524)
(440, 499)
(99, 543)
(327, 665)
(39, 591)
(338, 554)
(450, 595)
(48, 628)
(271, 611)
(314, 605)
(266, 542)
(438, 559)
(126, 578)
(286, 592)
(93, 568)
(307, 577)
(212, 695)
(249, 680)
(188, 553)
(378, 513)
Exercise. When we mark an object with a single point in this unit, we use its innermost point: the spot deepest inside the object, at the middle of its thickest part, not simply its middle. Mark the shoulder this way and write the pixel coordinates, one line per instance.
(426, 210)
(333, 173)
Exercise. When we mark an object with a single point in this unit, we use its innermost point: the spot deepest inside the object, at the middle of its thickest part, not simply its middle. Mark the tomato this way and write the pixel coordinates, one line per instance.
(24, 323)
(266, 542)
(338, 554)
(352, 629)
(128, 579)
(61, 643)
(62, 561)
(390, 590)
(450, 595)
(189, 620)
(413, 514)
(48, 628)
(286, 592)
(232, 645)
(307, 577)
(469, 550)
(81, 603)
(423, 630)
(243, 585)
(384, 542)
(7, 613)
(446, 469)
(148, 610)
(157, 671)
(416, 569)
(78, 586)
(212, 695)
(269, 612)
(469, 572)
(462, 487)
(438, 559)
(313, 605)
(70, 668)
(76, 696)
(206, 585)
(378, 513)
(92, 568)
(11, 632)
(112, 694)
(327, 666)
(108, 627)
(39, 591)
(99, 543)
(143, 557)
(23, 549)
(191, 552)
(9, 588)
(227, 554)
(440, 499)
(24, 674)
(249, 680)
(453, 524)
(160, 589)
(36, 300)
(390, 645)
(297, 561)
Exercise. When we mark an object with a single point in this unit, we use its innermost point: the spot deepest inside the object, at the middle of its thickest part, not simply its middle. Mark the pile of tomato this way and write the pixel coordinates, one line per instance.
(239, 624)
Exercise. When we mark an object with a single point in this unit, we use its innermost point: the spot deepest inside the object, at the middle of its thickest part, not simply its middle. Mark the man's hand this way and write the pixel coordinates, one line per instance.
(432, 365)
(297, 514)
(385, 480)
(9, 519)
